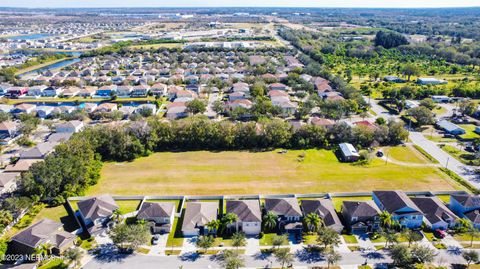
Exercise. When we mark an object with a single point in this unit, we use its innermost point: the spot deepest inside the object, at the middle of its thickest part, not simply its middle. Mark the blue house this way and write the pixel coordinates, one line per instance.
(402, 209)
(450, 127)
(466, 206)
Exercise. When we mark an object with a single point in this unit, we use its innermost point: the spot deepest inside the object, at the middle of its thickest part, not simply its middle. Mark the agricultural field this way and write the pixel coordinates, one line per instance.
(234, 172)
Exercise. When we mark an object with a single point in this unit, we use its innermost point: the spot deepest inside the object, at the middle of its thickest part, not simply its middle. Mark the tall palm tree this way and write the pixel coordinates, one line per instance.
(386, 219)
(44, 249)
(313, 222)
(270, 221)
(239, 240)
(74, 255)
(227, 220)
(214, 225)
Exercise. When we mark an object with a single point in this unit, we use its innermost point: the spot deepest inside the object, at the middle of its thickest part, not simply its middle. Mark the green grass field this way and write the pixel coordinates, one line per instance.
(243, 172)
(405, 154)
(470, 134)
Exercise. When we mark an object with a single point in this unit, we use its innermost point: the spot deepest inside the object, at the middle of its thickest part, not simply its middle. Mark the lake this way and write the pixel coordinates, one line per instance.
(51, 66)
(28, 37)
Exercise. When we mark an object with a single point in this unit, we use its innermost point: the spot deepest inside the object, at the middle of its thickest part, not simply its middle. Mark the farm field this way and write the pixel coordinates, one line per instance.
(243, 172)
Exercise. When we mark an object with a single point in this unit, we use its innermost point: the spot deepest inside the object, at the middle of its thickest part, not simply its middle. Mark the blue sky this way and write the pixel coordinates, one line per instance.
(235, 3)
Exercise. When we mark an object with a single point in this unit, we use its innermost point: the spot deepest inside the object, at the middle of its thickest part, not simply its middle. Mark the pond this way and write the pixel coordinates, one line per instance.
(28, 37)
(51, 66)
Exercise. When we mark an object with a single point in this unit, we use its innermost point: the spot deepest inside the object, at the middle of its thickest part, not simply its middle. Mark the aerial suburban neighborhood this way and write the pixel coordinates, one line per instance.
(239, 137)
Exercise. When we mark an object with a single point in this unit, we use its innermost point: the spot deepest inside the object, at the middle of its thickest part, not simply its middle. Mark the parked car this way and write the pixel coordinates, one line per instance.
(380, 153)
(439, 233)
(155, 239)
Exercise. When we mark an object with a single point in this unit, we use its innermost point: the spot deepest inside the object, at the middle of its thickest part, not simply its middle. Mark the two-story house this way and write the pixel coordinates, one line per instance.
(400, 206)
(288, 212)
(325, 210)
(95, 212)
(466, 206)
(361, 216)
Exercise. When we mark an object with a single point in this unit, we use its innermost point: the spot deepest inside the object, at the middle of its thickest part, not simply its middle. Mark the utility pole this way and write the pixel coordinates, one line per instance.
(446, 165)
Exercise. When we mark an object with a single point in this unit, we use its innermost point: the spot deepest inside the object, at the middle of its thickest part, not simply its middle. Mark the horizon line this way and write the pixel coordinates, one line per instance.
(173, 7)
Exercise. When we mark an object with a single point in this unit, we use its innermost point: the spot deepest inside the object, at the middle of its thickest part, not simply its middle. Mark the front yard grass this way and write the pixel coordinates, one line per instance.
(405, 154)
(461, 155)
(310, 239)
(429, 235)
(240, 172)
(465, 237)
(54, 264)
(350, 239)
(267, 239)
(469, 129)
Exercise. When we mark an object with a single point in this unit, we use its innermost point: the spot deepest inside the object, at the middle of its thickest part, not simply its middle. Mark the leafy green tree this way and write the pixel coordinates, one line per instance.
(410, 70)
(389, 39)
(4, 116)
(3, 247)
(422, 115)
(270, 221)
(422, 254)
(467, 107)
(5, 218)
(411, 236)
(428, 103)
(279, 240)
(400, 255)
(390, 237)
(130, 237)
(230, 259)
(196, 106)
(227, 220)
(284, 257)
(218, 107)
(328, 237)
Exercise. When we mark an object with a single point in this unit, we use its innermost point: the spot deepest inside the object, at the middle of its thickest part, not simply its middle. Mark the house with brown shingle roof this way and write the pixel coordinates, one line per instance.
(159, 214)
(361, 216)
(95, 212)
(288, 212)
(325, 210)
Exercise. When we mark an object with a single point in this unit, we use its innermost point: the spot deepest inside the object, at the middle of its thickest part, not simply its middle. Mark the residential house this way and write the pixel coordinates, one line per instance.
(87, 92)
(159, 89)
(466, 206)
(348, 152)
(40, 151)
(197, 216)
(44, 111)
(16, 92)
(361, 216)
(450, 127)
(325, 210)
(106, 91)
(139, 91)
(21, 165)
(51, 92)
(431, 81)
(57, 138)
(436, 213)
(159, 214)
(124, 91)
(89, 107)
(35, 91)
(8, 129)
(249, 216)
(42, 232)
(70, 127)
(106, 107)
(321, 122)
(6, 108)
(95, 212)
(400, 206)
(24, 108)
(144, 107)
(176, 110)
(8, 182)
(288, 212)
(441, 99)
(277, 86)
(393, 79)
(71, 91)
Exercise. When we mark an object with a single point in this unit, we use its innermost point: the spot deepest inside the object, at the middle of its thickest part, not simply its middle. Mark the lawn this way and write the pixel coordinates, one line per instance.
(470, 134)
(54, 264)
(128, 206)
(465, 237)
(243, 172)
(267, 240)
(461, 155)
(350, 239)
(59, 214)
(405, 154)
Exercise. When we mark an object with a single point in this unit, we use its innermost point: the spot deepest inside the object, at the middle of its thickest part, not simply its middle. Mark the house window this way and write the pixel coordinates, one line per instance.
(246, 224)
(354, 219)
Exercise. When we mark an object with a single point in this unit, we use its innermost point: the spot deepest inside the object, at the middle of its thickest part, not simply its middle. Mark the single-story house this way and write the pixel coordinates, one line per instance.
(8, 182)
(70, 127)
(249, 215)
(44, 111)
(21, 165)
(450, 127)
(431, 81)
(196, 217)
(348, 152)
(159, 214)
(42, 232)
(466, 206)
(436, 213)
(95, 212)
(40, 151)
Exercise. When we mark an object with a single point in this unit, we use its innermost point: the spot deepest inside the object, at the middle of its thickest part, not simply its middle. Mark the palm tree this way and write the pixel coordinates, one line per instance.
(332, 257)
(74, 255)
(214, 225)
(313, 222)
(284, 256)
(239, 240)
(386, 219)
(117, 216)
(390, 237)
(270, 221)
(227, 220)
(472, 232)
(44, 249)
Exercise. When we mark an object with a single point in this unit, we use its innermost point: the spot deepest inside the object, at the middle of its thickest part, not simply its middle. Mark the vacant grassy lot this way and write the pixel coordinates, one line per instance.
(470, 131)
(406, 154)
(235, 172)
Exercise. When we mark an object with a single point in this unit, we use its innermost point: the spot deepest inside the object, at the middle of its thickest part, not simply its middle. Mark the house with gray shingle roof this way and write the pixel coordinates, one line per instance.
(288, 212)
(95, 212)
(159, 214)
(361, 216)
(196, 217)
(325, 210)
(466, 206)
(40, 151)
(44, 231)
(249, 215)
(437, 214)
(400, 206)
